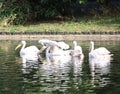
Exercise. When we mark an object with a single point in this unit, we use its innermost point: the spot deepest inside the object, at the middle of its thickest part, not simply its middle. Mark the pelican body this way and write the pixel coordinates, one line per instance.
(53, 47)
(100, 57)
(99, 52)
(29, 53)
(77, 52)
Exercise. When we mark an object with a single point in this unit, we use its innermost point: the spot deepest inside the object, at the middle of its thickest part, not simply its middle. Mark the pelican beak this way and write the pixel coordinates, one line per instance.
(42, 49)
(18, 46)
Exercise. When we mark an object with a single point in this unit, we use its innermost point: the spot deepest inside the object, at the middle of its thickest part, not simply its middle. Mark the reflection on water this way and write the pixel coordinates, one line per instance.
(59, 74)
(100, 67)
(10, 74)
(55, 76)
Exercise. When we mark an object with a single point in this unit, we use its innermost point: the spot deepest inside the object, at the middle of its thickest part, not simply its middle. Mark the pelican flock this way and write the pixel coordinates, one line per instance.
(59, 50)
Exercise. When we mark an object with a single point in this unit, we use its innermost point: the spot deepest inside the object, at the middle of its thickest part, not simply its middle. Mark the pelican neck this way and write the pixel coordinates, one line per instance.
(92, 46)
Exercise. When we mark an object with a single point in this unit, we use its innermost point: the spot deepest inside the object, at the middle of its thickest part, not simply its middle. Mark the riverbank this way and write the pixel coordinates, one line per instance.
(81, 37)
(85, 28)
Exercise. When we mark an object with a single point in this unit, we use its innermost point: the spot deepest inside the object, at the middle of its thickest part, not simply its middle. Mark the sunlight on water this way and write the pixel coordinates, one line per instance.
(60, 74)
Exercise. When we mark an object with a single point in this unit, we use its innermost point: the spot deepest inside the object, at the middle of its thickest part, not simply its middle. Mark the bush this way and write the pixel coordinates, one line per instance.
(15, 11)
(23, 11)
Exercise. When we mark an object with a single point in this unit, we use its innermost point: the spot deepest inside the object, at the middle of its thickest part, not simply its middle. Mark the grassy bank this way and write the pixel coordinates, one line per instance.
(86, 24)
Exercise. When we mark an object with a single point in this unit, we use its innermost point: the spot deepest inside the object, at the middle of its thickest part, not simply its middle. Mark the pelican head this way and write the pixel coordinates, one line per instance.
(20, 44)
(91, 46)
(92, 42)
(74, 42)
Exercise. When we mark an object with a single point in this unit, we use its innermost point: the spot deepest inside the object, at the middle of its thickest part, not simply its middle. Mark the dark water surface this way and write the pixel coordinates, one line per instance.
(64, 77)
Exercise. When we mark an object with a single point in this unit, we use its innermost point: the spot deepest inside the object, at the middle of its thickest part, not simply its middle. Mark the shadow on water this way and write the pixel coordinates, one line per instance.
(63, 75)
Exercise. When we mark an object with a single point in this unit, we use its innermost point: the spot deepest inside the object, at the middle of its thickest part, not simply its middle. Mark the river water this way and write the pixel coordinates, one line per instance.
(64, 77)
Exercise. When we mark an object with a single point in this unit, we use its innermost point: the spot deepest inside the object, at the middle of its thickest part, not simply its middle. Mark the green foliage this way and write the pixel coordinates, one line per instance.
(49, 8)
(101, 1)
(82, 1)
(15, 11)
(23, 11)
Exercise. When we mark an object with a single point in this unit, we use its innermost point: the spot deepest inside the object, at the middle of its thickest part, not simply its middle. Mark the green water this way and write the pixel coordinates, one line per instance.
(66, 78)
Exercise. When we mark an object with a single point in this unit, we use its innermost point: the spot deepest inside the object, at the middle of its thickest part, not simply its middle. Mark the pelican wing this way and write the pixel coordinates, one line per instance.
(63, 45)
(47, 43)
(102, 50)
(30, 51)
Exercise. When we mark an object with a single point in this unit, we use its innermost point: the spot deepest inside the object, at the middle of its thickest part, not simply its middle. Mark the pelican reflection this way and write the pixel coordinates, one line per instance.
(100, 70)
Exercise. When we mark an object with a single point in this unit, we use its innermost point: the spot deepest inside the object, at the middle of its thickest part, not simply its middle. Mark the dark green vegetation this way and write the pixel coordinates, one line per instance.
(59, 15)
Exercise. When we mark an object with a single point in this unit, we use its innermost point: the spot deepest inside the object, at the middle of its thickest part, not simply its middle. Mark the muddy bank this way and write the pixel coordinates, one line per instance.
(82, 37)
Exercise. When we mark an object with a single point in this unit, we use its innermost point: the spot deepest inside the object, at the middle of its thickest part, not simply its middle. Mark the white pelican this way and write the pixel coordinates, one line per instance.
(55, 50)
(47, 43)
(53, 47)
(99, 52)
(77, 52)
(29, 53)
(99, 62)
